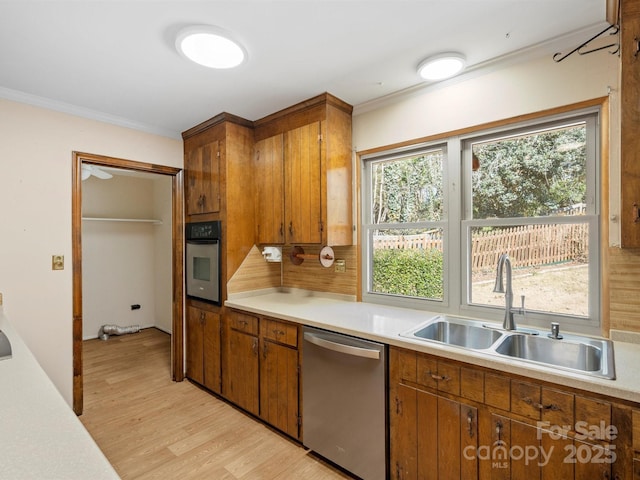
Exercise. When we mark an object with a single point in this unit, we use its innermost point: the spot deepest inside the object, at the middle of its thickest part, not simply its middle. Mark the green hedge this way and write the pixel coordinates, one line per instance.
(414, 273)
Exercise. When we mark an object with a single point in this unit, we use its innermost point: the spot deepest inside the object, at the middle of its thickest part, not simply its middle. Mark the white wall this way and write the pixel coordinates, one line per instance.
(36, 148)
(126, 263)
(519, 89)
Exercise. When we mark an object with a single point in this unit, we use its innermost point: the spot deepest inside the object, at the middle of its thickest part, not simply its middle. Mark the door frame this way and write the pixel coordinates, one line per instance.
(177, 241)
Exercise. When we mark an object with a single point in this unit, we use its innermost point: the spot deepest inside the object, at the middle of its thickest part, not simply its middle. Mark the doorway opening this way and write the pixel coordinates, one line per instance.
(87, 165)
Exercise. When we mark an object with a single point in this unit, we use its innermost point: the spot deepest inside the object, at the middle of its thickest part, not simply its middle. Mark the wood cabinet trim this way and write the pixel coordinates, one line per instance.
(319, 100)
(221, 118)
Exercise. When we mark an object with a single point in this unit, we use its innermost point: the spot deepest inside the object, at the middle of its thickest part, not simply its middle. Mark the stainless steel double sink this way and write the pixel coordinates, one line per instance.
(572, 353)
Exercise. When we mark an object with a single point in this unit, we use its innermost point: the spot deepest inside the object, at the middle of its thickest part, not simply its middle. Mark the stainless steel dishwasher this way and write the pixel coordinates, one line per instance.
(344, 407)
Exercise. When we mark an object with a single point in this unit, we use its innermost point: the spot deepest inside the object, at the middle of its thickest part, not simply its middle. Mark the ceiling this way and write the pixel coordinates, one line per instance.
(116, 60)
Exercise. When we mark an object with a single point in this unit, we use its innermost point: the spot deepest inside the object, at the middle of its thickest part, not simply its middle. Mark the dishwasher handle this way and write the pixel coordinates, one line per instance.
(341, 347)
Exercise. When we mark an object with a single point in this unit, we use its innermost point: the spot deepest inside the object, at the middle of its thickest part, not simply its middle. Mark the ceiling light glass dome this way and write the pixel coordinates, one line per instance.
(444, 65)
(210, 46)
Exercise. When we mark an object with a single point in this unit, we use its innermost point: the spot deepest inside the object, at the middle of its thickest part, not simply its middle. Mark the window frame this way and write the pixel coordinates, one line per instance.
(457, 222)
(367, 228)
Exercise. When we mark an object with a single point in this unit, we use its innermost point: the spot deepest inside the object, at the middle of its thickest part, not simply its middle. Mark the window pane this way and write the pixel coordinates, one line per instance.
(550, 266)
(537, 174)
(407, 190)
(408, 262)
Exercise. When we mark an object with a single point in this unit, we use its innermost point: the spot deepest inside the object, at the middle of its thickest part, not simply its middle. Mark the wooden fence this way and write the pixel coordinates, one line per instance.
(527, 245)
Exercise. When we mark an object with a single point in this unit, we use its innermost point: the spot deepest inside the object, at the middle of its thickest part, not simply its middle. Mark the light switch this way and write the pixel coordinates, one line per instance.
(57, 262)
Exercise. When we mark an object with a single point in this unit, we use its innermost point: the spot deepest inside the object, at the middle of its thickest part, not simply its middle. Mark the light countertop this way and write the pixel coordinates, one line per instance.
(40, 436)
(384, 324)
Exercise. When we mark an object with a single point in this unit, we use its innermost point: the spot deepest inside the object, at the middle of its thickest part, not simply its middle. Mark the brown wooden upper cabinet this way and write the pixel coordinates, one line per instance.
(268, 169)
(202, 166)
(302, 174)
(630, 122)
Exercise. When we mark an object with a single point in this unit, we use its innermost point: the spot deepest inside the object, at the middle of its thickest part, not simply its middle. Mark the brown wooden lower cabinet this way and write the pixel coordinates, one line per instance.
(523, 451)
(203, 347)
(279, 387)
(260, 368)
(500, 426)
(241, 368)
(431, 437)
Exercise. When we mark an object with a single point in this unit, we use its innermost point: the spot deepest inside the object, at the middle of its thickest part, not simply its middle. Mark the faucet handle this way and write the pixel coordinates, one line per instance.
(522, 309)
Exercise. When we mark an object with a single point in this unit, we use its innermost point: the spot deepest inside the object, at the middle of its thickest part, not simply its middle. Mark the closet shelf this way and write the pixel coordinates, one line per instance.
(135, 220)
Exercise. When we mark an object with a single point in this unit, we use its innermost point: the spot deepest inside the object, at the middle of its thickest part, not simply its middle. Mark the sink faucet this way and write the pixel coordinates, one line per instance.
(509, 322)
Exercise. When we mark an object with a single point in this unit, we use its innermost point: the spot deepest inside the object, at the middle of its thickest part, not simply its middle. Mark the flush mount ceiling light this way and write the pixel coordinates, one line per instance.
(210, 46)
(444, 65)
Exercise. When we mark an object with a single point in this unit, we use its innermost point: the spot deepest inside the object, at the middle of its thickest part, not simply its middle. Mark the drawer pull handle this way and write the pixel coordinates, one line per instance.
(540, 406)
(438, 378)
(278, 332)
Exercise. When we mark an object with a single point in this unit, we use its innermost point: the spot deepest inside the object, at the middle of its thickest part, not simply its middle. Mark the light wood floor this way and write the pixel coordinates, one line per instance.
(152, 428)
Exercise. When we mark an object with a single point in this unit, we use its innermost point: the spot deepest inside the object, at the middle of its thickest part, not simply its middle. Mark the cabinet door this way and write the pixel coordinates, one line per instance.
(194, 344)
(242, 371)
(211, 351)
(403, 431)
(629, 126)
(268, 171)
(203, 179)
(279, 387)
(303, 187)
(432, 437)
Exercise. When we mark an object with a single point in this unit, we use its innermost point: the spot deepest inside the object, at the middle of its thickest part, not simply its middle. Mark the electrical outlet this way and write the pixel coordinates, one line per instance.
(57, 262)
(340, 266)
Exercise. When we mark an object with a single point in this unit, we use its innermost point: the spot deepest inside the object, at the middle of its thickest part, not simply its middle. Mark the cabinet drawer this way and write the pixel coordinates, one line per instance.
(525, 399)
(243, 322)
(497, 391)
(472, 384)
(557, 407)
(280, 332)
(439, 375)
(427, 371)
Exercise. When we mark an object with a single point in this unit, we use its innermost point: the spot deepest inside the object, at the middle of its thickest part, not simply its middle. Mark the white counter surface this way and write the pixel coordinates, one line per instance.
(384, 324)
(40, 436)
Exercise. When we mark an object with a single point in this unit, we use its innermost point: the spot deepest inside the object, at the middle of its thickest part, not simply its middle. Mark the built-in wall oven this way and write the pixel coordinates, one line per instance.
(203, 260)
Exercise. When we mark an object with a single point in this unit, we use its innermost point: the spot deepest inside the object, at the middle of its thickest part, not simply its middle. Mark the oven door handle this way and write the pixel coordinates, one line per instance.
(341, 347)
(210, 241)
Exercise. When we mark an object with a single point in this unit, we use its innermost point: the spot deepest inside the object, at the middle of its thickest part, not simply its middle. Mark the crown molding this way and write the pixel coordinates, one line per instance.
(533, 52)
(62, 107)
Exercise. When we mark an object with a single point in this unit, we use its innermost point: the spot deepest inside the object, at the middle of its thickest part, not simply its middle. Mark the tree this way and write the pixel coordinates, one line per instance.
(407, 189)
(533, 175)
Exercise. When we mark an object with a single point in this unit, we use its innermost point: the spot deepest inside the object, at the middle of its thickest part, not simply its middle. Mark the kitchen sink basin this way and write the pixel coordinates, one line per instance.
(572, 353)
(581, 354)
(460, 334)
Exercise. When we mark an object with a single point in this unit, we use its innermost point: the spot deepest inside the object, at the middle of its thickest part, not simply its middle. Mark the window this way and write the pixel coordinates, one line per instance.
(405, 226)
(436, 218)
